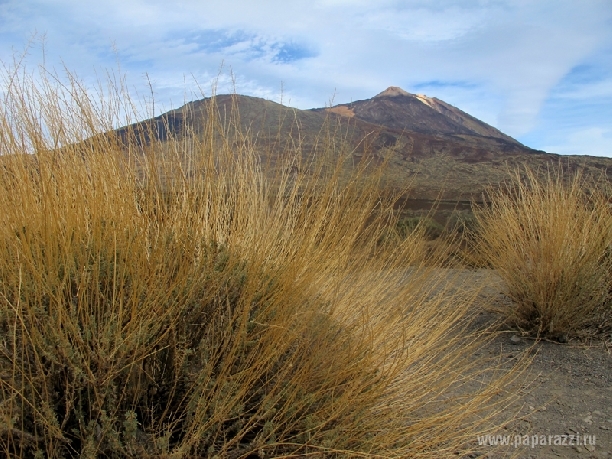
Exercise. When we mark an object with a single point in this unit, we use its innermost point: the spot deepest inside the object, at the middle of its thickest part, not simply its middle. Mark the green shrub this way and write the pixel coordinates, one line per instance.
(431, 229)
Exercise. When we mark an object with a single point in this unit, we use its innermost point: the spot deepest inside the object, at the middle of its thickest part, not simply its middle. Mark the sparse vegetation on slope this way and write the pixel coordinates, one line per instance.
(162, 299)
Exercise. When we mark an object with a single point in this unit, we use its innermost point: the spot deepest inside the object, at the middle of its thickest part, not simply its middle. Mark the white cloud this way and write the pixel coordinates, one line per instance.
(511, 54)
(594, 141)
(592, 90)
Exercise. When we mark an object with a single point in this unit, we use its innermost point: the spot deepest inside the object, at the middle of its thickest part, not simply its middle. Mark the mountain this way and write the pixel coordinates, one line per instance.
(395, 108)
(439, 151)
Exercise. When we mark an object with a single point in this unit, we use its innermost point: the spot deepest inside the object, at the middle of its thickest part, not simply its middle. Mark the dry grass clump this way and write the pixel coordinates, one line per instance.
(162, 299)
(549, 239)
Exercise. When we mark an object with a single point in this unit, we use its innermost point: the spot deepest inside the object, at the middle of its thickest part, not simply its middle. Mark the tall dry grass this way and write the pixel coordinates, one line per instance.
(548, 235)
(166, 299)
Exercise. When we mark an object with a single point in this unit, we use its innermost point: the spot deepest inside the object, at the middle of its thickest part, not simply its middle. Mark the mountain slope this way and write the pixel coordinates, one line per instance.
(438, 150)
(398, 109)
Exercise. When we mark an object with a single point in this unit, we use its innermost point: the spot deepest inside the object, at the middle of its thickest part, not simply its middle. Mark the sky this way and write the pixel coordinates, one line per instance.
(538, 70)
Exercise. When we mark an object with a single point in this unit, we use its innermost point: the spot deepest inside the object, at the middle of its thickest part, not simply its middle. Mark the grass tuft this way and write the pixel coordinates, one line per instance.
(168, 299)
(549, 238)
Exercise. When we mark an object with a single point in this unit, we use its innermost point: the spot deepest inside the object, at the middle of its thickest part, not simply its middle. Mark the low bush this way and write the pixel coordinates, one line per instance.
(549, 238)
(430, 228)
(165, 299)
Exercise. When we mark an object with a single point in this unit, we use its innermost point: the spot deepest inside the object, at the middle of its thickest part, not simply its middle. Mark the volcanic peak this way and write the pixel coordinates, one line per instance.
(393, 91)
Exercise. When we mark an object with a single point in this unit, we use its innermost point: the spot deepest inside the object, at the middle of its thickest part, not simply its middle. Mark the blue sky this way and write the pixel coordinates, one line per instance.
(539, 70)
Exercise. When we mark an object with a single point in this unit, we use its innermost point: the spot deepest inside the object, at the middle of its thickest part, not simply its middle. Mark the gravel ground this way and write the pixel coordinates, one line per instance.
(565, 395)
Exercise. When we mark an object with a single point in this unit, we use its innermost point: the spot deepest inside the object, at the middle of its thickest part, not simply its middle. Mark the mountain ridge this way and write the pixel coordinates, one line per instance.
(436, 149)
(451, 120)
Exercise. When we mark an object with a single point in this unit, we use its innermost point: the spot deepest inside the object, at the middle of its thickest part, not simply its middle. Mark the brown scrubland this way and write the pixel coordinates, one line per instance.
(169, 298)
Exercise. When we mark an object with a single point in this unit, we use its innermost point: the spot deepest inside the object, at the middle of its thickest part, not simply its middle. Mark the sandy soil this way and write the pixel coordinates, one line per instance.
(565, 395)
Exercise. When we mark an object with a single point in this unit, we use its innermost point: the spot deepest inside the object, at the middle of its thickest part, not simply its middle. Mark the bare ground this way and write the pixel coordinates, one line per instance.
(564, 396)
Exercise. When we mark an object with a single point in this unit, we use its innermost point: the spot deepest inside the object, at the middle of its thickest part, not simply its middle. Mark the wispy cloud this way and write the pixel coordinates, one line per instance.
(593, 141)
(516, 64)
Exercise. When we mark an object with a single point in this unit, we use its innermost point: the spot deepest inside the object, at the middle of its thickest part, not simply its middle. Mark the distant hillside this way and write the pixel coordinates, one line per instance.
(437, 149)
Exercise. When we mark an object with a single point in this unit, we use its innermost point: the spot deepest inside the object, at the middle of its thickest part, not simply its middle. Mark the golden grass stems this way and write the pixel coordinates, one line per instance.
(169, 299)
(549, 238)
